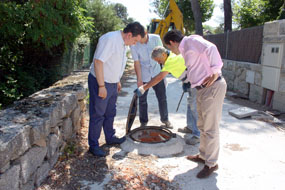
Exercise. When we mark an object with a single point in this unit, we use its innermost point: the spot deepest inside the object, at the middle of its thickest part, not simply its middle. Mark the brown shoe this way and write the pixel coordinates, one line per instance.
(196, 158)
(206, 171)
(185, 130)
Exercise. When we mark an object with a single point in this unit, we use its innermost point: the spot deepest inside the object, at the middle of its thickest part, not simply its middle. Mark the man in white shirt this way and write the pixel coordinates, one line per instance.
(146, 69)
(104, 83)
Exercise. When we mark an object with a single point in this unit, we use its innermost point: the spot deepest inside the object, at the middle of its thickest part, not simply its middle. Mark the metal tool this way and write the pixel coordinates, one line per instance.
(179, 101)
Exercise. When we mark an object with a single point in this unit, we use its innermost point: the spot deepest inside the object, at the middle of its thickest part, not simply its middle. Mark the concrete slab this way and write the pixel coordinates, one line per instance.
(243, 112)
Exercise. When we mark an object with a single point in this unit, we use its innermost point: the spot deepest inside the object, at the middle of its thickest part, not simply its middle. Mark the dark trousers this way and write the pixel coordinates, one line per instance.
(101, 112)
(160, 93)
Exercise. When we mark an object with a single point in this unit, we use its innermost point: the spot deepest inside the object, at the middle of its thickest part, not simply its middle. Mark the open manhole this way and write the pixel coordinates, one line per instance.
(151, 134)
(147, 140)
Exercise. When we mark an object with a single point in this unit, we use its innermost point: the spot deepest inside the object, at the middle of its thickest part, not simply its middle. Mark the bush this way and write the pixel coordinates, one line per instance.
(34, 34)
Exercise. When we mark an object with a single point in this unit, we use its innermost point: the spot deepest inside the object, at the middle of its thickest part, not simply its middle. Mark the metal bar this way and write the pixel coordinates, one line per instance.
(179, 101)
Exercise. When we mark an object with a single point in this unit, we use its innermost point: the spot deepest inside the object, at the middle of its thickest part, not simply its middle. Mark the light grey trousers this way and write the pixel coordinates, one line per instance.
(209, 107)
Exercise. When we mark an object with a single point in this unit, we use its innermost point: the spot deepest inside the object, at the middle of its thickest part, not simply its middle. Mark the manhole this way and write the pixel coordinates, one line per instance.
(151, 134)
(158, 141)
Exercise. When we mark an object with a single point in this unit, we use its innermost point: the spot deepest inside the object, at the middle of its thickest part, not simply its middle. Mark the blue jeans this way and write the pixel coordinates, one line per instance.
(192, 115)
(160, 93)
(101, 112)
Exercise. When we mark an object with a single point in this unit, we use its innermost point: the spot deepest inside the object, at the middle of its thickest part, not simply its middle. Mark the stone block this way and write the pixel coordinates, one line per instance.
(5, 168)
(52, 161)
(67, 128)
(14, 141)
(256, 93)
(55, 130)
(75, 116)
(54, 143)
(10, 179)
(231, 66)
(55, 115)
(271, 28)
(28, 186)
(42, 173)
(82, 105)
(241, 86)
(39, 132)
(81, 93)
(68, 104)
(30, 161)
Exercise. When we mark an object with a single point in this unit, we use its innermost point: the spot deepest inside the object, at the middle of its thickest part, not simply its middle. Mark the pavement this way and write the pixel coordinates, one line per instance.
(252, 154)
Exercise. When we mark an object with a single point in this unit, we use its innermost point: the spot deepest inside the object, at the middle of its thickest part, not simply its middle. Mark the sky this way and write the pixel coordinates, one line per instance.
(142, 11)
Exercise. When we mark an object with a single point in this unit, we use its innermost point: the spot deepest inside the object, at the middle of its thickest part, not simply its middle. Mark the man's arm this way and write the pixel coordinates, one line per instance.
(138, 73)
(155, 80)
(99, 72)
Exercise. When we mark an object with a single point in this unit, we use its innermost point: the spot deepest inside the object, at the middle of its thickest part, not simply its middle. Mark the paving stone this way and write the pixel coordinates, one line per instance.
(243, 112)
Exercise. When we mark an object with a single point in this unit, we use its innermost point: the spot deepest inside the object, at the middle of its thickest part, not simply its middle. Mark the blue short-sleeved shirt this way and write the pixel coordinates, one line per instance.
(142, 53)
(111, 50)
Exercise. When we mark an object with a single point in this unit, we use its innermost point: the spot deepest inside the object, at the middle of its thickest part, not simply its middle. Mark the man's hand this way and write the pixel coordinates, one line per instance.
(102, 92)
(139, 83)
(139, 91)
(119, 86)
(210, 80)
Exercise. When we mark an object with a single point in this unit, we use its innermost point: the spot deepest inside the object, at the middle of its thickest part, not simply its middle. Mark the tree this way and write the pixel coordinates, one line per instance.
(228, 15)
(206, 7)
(197, 16)
(34, 34)
(282, 12)
(248, 13)
(105, 19)
(122, 13)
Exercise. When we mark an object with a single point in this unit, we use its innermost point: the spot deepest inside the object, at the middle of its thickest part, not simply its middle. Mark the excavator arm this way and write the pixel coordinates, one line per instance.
(174, 20)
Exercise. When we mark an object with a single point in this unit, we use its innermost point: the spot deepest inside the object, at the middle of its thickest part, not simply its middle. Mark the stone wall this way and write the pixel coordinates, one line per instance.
(244, 79)
(35, 130)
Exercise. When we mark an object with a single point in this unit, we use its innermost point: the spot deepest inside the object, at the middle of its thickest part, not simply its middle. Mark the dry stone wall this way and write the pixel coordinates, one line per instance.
(34, 131)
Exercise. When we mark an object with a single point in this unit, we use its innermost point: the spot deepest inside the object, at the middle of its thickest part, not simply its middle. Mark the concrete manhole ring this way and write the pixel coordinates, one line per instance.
(163, 149)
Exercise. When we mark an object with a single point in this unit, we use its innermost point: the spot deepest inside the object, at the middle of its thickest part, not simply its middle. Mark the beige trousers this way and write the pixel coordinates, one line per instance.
(209, 107)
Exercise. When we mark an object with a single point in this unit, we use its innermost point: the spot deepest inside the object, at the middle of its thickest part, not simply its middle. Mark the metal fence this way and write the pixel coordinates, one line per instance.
(243, 45)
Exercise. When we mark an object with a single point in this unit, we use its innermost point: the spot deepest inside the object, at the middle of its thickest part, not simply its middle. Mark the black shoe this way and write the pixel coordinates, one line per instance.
(96, 151)
(207, 171)
(116, 140)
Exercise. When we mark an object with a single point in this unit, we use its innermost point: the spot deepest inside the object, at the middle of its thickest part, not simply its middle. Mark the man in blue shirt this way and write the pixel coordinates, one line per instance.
(104, 83)
(146, 69)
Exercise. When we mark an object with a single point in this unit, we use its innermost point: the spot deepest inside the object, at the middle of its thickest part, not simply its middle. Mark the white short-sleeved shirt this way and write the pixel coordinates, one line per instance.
(142, 53)
(111, 50)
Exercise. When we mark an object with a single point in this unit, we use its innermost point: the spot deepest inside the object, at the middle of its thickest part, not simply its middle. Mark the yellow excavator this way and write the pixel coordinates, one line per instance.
(174, 20)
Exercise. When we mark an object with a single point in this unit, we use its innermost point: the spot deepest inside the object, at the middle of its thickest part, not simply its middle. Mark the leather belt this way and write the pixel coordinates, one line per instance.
(204, 86)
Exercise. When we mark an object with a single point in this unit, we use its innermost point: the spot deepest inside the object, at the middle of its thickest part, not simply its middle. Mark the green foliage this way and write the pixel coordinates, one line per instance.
(282, 12)
(122, 13)
(207, 8)
(104, 20)
(248, 13)
(33, 36)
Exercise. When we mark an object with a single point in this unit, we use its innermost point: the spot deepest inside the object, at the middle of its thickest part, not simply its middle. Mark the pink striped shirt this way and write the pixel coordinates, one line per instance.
(202, 58)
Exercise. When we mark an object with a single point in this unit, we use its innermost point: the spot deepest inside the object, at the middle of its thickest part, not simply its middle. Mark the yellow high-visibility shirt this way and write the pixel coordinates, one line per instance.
(174, 64)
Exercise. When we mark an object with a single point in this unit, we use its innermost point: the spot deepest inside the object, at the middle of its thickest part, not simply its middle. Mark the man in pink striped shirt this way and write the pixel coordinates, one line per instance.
(204, 65)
